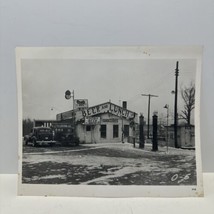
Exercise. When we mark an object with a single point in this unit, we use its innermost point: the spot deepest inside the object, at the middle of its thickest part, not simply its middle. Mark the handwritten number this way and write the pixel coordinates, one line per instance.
(174, 177)
(186, 177)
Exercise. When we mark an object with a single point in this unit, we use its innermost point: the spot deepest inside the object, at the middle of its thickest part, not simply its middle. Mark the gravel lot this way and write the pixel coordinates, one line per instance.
(108, 164)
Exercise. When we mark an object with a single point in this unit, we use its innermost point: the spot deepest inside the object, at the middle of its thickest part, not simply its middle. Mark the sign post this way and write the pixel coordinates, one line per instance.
(68, 96)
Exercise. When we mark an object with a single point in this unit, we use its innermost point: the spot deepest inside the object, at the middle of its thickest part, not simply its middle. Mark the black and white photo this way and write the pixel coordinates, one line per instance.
(109, 121)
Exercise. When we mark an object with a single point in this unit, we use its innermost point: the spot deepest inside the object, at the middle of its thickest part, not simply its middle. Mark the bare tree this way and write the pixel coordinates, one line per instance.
(188, 96)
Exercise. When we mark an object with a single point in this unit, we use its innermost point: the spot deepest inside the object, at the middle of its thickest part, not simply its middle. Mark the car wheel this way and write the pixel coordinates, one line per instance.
(34, 143)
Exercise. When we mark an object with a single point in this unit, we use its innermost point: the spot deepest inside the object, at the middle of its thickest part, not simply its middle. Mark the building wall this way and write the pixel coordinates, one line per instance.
(93, 135)
(44, 123)
(186, 136)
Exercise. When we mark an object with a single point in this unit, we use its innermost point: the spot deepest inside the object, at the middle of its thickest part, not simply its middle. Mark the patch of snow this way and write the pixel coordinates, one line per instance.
(119, 166)
(46, 177)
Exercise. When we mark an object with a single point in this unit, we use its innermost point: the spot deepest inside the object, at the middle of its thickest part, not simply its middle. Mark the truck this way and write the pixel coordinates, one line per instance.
(40, 136)
(64, 134)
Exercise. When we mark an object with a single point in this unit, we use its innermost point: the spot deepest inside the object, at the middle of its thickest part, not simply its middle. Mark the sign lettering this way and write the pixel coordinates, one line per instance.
(92, 120)
(108, 107)
(82, 113)
(110, 120)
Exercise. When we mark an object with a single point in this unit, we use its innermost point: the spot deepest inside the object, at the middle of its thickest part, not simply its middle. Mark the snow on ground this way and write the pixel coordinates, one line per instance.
(140, 160)
(120, 145)
(67, 156)
(72, 157)
(46, 177)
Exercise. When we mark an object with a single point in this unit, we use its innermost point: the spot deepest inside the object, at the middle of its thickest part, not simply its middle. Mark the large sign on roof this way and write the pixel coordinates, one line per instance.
(106, 108)
(96, 110)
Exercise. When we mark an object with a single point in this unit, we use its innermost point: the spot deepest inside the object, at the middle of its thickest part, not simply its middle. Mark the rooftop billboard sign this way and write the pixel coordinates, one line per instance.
(107, 108)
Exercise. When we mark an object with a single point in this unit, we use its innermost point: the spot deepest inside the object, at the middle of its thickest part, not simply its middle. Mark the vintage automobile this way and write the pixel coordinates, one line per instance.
(40, 136)
(64, 134)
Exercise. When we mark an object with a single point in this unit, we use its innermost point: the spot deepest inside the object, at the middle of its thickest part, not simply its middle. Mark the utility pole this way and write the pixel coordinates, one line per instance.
(176, 106)
(167, 126)
(149, 96)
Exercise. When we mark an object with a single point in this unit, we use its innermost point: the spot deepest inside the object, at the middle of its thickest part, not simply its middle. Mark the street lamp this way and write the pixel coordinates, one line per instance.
(167, 125)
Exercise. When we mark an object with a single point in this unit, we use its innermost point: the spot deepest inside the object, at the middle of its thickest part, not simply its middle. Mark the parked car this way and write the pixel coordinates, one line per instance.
(64, 134)
(40, 136)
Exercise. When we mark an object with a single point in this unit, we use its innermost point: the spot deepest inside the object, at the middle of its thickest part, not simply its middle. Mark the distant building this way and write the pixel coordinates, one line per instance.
(43, 123)
(186, 136)
(105, 122)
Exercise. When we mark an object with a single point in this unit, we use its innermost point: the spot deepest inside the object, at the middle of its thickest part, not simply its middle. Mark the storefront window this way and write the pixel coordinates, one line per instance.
(88, 128)
(103, 131)
(126, 130)
(115, 131)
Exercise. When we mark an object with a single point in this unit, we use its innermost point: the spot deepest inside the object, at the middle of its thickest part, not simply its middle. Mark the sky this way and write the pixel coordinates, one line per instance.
(44, 82)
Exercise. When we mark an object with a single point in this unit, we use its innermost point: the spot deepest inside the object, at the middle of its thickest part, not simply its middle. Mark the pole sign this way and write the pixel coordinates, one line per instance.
(80, 104)
(67, 95)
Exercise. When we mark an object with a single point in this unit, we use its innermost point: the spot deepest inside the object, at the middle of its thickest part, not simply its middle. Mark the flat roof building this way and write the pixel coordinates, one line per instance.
(105, 122)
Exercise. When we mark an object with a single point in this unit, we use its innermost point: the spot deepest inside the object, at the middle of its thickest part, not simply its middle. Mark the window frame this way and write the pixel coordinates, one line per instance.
(115, 131)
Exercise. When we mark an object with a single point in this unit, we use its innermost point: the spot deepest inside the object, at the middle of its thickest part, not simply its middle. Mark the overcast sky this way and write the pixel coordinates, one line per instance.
(44, 82)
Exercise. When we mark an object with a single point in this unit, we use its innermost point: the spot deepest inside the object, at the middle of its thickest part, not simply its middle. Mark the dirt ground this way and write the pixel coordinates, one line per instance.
(108, 164)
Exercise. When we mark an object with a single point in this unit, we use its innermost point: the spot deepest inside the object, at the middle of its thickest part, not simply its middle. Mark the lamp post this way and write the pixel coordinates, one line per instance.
(167, 125)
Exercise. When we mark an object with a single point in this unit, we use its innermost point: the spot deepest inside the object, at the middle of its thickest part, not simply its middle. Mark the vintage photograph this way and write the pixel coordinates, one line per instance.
(109, 117)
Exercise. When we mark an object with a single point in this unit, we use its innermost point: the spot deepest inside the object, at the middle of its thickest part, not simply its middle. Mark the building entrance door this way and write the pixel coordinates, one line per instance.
(103, 131)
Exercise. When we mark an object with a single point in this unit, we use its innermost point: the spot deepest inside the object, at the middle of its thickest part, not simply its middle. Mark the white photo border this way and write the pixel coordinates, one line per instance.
(115, 52)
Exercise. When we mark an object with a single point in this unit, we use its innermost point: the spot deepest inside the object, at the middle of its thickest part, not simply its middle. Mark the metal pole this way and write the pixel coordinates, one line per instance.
(148, 116)
(175, 107)
(167, 133)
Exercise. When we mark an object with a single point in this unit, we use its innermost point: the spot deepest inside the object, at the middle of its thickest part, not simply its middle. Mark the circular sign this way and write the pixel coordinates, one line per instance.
(67, 94)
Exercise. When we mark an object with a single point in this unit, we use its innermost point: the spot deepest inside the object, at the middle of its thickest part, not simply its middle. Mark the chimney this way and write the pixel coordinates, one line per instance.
(124, 104)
